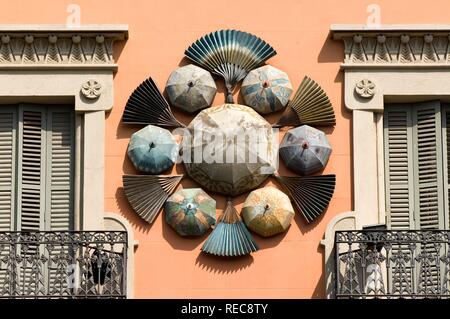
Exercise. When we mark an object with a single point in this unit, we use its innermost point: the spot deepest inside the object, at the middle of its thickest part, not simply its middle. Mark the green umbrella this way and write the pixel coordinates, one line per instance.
(152, 149)
(266, 89)
(190, 211)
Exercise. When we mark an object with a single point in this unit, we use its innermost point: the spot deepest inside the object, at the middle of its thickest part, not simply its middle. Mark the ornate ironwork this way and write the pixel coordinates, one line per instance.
(392, 264)
(63, 264)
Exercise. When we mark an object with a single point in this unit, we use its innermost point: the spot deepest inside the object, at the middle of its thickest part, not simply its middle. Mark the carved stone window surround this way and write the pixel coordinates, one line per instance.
(51, 64)
(408, 63)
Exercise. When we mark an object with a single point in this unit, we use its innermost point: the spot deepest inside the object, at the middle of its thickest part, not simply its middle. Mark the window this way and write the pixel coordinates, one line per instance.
(417, 146)
(36, 167)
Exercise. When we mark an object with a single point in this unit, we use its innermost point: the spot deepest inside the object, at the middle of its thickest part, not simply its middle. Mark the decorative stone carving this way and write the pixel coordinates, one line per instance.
(365, 88)
(58, 47)
(91, 89)
(394, 47)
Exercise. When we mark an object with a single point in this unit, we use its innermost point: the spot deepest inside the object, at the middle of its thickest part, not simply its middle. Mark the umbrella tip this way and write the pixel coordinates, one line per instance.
(305, 145)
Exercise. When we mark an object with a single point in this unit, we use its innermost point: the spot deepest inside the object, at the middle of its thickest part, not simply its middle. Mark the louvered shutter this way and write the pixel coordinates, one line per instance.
(8, 123)
(31, 168)
(414, 188)
(399, 167)
(446, 162)
(428, 178)
(398, 141)
(429, 206)
(59, 171)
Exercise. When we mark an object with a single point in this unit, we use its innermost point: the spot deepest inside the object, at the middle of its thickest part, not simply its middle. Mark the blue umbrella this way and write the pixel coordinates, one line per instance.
(153, 149)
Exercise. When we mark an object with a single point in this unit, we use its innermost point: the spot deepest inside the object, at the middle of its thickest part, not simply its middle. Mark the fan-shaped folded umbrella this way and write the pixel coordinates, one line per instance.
(147, 193)
(152, 149)
(310, 194)
(230, 237)
(310, 105)
(230, 54)
(305, 150)
(267, 211)
(191, 88)
(146, 105)
(266, 89)
(190, 211)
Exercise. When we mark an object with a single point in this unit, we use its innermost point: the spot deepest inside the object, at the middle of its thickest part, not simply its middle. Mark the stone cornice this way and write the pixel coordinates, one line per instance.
(56, 46)
(418, 46)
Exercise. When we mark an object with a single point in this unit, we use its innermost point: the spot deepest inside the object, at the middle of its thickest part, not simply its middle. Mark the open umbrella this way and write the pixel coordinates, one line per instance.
(267, 211)
(266, 89)
(229, 162)
(152, 149)
(305, 150)
(190, 211)
(191, 88)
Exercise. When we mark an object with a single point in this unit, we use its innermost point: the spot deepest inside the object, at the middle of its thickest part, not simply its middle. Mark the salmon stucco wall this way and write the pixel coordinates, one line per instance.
(289, 265)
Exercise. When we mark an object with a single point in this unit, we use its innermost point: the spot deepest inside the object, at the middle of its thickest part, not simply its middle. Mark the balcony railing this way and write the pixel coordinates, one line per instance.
(392, 264)
(75, 264)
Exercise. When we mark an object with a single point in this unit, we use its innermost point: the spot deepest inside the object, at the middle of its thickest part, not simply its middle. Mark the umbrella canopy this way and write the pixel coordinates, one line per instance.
(191, 88)
(267, 211)
(230, 150)
(190, 211)
(152, 149)
(266, 89)
(305, 150)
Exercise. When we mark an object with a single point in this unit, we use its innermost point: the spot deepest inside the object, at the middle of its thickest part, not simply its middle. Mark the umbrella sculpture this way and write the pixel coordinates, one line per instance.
(147, 193)
(220, 154)
(153, 149)
(147, 105)
(305, 150)
(230, 237)
(267, 211)
(230, 54)
(310, 105)
(266, 89)
(190, 211)
(191, 88)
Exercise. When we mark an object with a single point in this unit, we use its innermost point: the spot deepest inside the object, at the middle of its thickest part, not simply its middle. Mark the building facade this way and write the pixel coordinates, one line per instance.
(66, 75)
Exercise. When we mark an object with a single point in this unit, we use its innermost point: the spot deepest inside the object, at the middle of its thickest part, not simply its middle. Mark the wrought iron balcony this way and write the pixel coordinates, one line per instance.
(392, 264)
(75, 264)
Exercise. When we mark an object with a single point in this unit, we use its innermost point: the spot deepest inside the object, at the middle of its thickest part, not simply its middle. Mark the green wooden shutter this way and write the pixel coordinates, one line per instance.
(428, 170)
(45, 168)
(59, 176)
(8, 123)
(31, 166)
(399, 167)
(414, 186)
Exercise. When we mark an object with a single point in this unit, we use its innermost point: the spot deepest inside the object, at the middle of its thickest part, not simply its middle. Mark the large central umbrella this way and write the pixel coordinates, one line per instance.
(190, 211)
(153, 149)
(231, 149)
(267, 211)
(191, 88)
(305, 150)
(266, 89)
